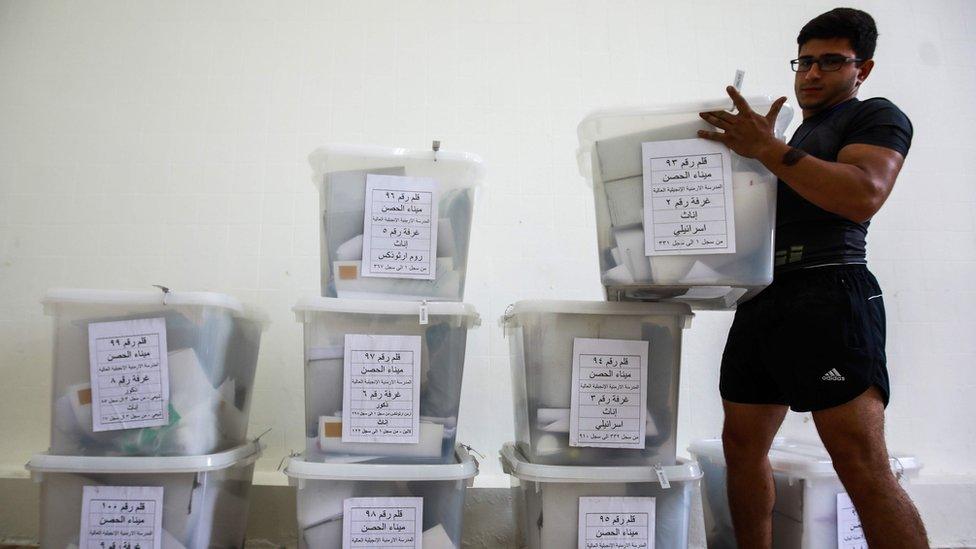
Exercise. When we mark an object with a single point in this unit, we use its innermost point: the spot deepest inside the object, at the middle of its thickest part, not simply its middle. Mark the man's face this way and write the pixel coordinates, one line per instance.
(817, 90)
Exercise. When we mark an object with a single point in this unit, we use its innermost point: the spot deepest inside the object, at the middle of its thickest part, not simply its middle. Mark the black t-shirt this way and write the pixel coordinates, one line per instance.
(807, 235)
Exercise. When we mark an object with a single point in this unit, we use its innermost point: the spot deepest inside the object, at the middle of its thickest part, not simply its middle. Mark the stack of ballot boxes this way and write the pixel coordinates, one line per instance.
(595, 388)
(682, 224)
(384, 350)
(151, 393)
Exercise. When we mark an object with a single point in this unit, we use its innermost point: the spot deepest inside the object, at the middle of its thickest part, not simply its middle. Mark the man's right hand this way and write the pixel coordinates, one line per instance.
(747, 133)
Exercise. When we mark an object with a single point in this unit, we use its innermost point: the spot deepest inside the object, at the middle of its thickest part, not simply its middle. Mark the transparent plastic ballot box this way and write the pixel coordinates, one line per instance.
(547, 339)
(168, 373)
(425, 501)
(548, 501)
(341, 174)
(688, 208)
(204, 498)
(806, 509)
(406, 361)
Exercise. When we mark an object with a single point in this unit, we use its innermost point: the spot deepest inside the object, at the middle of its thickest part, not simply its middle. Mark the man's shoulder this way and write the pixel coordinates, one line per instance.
(878, 121)
(877, 102)
(880, 109)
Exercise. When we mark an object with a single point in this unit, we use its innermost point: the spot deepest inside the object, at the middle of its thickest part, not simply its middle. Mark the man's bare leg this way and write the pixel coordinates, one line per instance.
(853, 434)
(746, 437)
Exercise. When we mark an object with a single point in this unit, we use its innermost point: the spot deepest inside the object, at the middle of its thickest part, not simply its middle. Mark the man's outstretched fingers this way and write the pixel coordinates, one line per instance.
(714, 136)
(738, 100)
(717, 121)
(774, 110)
(724, 115)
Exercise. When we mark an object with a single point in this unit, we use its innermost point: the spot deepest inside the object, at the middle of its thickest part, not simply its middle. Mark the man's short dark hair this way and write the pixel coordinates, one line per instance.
(855, 25)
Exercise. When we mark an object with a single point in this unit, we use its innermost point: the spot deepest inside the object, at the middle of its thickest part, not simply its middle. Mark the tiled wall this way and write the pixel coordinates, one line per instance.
(165, 142)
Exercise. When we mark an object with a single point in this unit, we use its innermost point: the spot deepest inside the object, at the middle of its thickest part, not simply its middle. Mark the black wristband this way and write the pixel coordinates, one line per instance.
(793, 156)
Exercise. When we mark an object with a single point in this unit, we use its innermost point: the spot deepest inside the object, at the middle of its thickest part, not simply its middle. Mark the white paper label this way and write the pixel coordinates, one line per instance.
(688, 198)
(129, 374)
(609, 400)
(400, 227)
(740, 75)
(121, 517)
(381, 392)
(849, 532)
(382, 522)
(616, 523)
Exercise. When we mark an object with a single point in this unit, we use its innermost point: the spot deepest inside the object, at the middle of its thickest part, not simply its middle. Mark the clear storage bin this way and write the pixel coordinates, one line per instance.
(805, 513)
(547, 498)
(323, 489)
(443, 338)
(339, 172)
(610, 158)
(212, 349)
(541, 337)
(205, 498)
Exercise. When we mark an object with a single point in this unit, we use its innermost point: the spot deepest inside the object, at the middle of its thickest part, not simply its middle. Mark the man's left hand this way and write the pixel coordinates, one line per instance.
(747, 133)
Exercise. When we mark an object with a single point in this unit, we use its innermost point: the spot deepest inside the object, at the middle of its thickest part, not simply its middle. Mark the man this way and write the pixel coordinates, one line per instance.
(814, 339)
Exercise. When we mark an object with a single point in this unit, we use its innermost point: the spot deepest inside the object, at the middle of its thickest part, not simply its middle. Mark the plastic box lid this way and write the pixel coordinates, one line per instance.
(244, 454)
(798, 458)
(464, 468)
(376, 307)
(633, 308)
(516, 464)
(71, 296)
(604, 124)
(319, 158)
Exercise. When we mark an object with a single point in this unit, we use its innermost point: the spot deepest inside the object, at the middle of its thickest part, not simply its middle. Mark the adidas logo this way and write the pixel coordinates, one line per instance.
(833, 375)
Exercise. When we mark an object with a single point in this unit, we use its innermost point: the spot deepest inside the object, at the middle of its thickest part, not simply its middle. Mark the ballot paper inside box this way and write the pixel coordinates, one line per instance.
(209, 343)
(399, 402)
(552, 393)
(729, 262)
(548, 499)
(413, 253)
(806, 512)
(435, 491)
(204, 498)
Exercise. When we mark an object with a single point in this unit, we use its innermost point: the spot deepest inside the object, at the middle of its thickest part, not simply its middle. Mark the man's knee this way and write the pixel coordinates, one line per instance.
(743, 446)
(861, 463)
(860, 459)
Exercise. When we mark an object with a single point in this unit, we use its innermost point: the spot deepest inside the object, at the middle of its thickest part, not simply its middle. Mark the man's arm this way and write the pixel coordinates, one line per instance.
(854, 187)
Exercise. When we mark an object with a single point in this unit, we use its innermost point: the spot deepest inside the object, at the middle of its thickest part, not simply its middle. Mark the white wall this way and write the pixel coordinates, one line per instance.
(165, 142)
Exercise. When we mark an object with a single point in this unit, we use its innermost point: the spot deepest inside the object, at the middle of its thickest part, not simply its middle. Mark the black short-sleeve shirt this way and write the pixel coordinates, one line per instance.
(807, 235)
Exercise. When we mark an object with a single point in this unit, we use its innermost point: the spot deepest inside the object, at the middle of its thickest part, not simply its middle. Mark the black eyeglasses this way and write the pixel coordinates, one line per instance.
(828, 63)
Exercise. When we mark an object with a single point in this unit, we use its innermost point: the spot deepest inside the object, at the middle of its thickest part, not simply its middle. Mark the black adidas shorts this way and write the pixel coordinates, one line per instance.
(813, 339)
